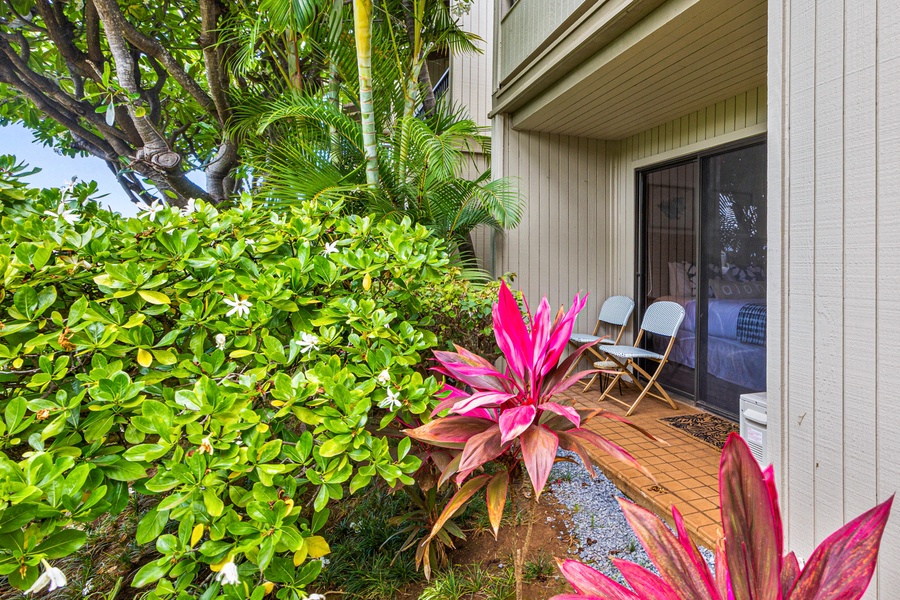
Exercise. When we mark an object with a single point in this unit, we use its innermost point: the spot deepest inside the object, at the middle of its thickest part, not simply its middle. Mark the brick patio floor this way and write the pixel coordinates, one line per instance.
(686, 470)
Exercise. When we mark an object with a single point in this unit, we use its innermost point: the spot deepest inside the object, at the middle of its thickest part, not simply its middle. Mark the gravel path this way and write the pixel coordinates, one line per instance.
(596, 520)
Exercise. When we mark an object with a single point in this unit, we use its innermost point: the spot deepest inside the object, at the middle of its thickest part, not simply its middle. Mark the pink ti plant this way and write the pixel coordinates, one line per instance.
(510, 417)
(750, 561)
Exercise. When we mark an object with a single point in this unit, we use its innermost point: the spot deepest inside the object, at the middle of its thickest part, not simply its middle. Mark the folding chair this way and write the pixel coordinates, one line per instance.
(662, 319)
(616, 310)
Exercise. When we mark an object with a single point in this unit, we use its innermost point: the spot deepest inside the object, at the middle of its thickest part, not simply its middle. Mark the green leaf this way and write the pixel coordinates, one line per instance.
(123, 470)
(151, 525)
(212, 502)
(154, 297)
(62, 543)
(149, 573)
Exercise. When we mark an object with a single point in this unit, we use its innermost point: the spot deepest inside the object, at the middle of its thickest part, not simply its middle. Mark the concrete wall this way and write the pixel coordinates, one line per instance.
(834, 314)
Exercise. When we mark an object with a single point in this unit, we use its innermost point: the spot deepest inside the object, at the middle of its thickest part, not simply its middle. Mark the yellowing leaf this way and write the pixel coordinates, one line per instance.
(166, 357)
(134, 320)
(144, 358)
(196, 534)
(317, 546)
(277, 403)
(300, 555)
(268, 586)
(154, 297)
(367, 282)
(218, 566)
(289, 505)
(262, 427)
(103, 279)
(241, 353)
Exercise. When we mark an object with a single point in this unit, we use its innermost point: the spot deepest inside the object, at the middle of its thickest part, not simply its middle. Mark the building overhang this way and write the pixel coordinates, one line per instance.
(677, 58)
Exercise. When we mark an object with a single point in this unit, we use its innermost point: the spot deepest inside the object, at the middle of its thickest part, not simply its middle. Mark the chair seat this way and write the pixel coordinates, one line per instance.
(586, 338)
(606, 364)
(631, 352)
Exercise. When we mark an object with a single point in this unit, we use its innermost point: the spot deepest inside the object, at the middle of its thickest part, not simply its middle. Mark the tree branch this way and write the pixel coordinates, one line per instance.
(111, 15)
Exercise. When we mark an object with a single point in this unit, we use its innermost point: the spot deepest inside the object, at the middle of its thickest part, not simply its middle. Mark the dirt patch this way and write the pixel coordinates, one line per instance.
(550, 539)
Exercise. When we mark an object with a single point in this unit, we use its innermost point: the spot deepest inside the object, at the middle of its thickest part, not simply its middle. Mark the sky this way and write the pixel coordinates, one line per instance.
(57, 170)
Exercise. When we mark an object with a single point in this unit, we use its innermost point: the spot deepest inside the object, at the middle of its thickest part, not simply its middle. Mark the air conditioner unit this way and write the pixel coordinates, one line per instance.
(753, 426)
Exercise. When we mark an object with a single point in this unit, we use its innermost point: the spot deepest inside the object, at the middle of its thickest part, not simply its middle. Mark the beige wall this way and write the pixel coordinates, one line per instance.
(470, 74)
(579, 229)
(834, 172)
(740, 116)
(558, 249)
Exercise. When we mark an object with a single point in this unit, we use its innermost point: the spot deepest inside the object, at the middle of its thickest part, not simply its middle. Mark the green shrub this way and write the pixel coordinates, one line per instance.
(244, 367)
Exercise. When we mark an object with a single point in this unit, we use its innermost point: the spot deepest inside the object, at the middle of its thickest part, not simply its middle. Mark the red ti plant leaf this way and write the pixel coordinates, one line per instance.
(514, 421)
(480, 449)
(564, 411)
(841, 567)
(790, 572)
(722, 583)
(573, 444)
(610, 448)
(697, 560)
(449, 432)
(539, 446)
(458, 501)
(645, 583)
(496, 499)
(511, 333)
(590, 583)
(479, 400)
(675, 565)
(749, 521)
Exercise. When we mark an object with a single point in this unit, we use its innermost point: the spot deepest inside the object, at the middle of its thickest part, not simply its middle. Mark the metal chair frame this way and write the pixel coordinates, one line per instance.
(616, 310)
(662, 318)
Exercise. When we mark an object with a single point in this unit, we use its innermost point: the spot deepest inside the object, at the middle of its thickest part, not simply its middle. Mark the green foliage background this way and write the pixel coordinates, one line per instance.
(113, 382)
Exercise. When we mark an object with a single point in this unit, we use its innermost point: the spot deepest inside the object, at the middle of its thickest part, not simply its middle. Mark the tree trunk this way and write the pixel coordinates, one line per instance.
(362, 29)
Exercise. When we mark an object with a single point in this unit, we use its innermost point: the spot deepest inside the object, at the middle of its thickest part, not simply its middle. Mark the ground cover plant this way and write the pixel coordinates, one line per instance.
(750, 559)
(241, 368)
(509, 419)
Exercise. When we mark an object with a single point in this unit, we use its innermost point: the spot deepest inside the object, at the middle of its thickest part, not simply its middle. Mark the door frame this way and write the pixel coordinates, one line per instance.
(701, 332)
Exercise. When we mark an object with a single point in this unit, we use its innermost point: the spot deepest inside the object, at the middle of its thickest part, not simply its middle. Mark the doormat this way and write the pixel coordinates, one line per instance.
(705, 427)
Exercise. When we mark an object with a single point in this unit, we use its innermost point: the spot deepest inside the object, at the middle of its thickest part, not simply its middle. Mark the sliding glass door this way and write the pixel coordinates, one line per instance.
(711, 206)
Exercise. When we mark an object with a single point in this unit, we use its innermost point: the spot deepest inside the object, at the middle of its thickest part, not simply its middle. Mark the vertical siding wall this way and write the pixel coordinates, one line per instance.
(834, 338)
(557, 250)
(470, 74)
(578, 232)
(740, 116)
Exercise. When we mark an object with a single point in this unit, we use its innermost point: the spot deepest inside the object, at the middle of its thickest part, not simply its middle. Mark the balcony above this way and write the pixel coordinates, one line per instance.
(656, 61)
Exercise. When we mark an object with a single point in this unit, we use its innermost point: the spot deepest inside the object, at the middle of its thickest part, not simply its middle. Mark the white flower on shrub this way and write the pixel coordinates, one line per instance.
(189, 208)
(69, 185)
(220, 341)
(330, 248)
(314, 597)
(383, 378)
(308, 342)
(148, 212)
(249, 242)
(51, 575)
(70, 217)
(239, 307)
(391, 401)
(229, 574)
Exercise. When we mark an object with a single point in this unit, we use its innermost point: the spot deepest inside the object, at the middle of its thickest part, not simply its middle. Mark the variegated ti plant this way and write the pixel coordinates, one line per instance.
(750, 561)
(509, 418)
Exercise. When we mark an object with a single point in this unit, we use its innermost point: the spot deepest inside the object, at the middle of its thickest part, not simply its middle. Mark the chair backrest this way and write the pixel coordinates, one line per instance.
(663, 318)
(616, 310)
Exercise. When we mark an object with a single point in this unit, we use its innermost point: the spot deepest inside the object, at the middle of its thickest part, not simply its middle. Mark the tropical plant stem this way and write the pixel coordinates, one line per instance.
(362, 29)
(522, 553)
